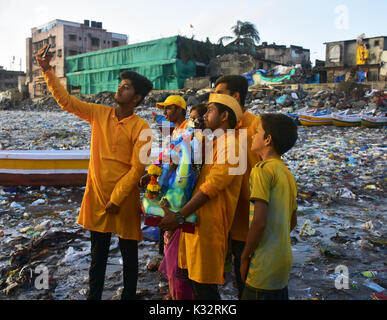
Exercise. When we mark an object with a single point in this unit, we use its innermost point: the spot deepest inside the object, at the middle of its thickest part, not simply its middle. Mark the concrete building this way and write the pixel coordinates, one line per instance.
(67, 39)
(9, 79)
(341, 59)
(280, 54)
(238, 64)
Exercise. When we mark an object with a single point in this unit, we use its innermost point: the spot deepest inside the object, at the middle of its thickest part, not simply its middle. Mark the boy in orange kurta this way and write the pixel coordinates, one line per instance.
(237, 87)
(214, 201)
(111, 203)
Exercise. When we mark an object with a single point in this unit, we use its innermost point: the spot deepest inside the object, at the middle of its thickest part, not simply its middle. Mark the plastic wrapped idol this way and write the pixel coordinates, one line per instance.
(173, 178)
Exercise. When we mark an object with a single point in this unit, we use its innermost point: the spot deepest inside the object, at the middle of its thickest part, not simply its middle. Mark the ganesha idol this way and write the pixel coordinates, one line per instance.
(173, 178)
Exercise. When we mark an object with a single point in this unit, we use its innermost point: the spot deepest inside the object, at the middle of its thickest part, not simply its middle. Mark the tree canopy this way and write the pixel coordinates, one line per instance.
(246, 36)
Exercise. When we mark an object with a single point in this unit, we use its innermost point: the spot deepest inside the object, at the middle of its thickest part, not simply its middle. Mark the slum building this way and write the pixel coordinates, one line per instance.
(67, 39)
(9, 79)
(367, 57)
(287, 56)
(166, 62)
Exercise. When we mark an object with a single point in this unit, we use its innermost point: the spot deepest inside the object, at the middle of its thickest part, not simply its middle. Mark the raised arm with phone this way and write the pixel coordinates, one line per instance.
(111, 202)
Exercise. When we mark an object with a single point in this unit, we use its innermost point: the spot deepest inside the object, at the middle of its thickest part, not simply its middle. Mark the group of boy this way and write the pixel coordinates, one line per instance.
(250, 214)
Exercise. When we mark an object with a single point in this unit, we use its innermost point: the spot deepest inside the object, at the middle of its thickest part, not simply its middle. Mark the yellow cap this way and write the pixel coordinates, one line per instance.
(228, 101)
(173, 100)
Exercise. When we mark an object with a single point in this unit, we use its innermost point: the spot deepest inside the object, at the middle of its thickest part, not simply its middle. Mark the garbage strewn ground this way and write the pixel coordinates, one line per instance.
(341, 176)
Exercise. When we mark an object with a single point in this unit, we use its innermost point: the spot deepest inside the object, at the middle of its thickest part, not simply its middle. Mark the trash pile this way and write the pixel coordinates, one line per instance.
(271, 99)
(341, 180)
(347, 95)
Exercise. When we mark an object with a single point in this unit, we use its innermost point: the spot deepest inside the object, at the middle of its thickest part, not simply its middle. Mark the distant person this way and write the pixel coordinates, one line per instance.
(237, 87)
(196, 115)
(175, 111)
(267, 258)
(111, 200)
(202, 254)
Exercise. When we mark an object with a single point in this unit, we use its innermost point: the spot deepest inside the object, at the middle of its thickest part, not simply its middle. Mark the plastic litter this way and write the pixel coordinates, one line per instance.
(307, 229)
(151, 233)
(38, 202)
(372, 285)
(354, 285)
(346, 193)
(378, 296)
(369, 274)
(73, 257)
(16, 206)
(368, 225)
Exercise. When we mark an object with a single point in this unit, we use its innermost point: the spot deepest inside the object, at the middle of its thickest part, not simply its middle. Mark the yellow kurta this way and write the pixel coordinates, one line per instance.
(240, 226)
(114, 167)
(203, 253)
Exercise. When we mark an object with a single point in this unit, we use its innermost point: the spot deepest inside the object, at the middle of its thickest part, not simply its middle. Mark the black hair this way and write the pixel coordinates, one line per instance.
(282, 129)
(201, 110)
(141, 85)
(235, 83)
(232, 120)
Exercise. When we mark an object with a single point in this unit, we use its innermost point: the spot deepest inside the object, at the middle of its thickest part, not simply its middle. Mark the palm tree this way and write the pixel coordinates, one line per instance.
(246, 36)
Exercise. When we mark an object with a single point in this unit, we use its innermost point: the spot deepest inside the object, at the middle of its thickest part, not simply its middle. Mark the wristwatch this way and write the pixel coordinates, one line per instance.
(179, 218)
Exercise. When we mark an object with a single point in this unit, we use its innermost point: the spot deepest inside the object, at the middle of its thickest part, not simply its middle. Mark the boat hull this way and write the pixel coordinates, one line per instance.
(59, 180)
(306, 120)
(44, 168)
(345, 123)
(374, 122)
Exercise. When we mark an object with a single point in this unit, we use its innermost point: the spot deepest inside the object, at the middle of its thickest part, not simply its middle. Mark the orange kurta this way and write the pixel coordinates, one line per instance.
(114, 167)
(179, 130)
(203, 253)
(240, 226)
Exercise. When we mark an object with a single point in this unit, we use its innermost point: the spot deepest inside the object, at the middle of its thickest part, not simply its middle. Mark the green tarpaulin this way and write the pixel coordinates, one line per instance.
(157, 60)
(278, 79)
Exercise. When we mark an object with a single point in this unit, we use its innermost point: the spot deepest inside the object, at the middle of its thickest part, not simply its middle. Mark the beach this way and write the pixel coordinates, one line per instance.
(340, 172)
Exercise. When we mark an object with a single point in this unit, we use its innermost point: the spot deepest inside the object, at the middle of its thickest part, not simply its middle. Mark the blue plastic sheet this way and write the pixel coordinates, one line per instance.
(281, 99)
(362, 76)
(249, 77)
(340, 78)
(150, 233)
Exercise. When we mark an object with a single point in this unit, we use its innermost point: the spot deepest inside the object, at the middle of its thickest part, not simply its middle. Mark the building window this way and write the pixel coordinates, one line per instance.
(73, 52)
(334, 53)
(115, 43)
(95, 42)
(72, 37)
(377, 43)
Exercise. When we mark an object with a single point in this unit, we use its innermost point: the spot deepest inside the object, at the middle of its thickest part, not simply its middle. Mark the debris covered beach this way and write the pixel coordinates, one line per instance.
(341, 176)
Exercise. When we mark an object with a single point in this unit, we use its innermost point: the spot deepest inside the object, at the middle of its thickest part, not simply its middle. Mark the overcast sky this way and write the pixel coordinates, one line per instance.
(299, 22)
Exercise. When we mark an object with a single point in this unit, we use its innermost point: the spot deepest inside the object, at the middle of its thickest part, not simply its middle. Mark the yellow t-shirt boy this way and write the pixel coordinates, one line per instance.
(267, 258)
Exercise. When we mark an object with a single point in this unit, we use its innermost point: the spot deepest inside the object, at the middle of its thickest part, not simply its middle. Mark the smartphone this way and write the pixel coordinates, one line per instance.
(46, 51)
